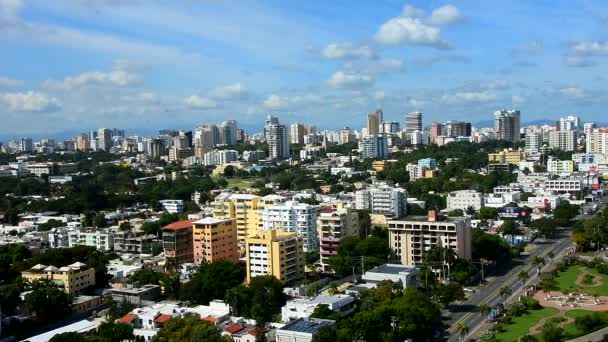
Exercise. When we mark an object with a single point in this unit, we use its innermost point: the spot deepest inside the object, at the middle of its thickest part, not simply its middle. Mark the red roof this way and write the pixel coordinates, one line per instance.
(162, 318)
(211, 319)
(328, 210)
(233, 328)
(179, 225)
(126, 319)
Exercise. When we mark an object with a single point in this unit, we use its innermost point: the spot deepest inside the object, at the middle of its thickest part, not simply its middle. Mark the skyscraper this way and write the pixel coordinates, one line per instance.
(228, 132)
(569, 123)
(270, 120)
(506, 125)
(296, 133)
(104, 139)
(389, 127)
(459, 129)
(436, 130)
(413, 122)
(373, 146)
(373, 122)
(278, 143)
(27, 145)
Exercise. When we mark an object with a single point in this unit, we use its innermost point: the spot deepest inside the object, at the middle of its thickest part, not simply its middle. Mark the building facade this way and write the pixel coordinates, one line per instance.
(215, 239)
(276, 253)
(178, 241)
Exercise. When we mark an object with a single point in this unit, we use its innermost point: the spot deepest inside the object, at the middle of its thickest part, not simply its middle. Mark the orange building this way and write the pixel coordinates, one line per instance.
(215, 239)
(177, 241)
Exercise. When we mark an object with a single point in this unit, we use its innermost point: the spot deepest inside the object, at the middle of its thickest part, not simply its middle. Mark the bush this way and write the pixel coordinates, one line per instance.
(530, 303)
(588, 322)
(588, 279)
(517, 309)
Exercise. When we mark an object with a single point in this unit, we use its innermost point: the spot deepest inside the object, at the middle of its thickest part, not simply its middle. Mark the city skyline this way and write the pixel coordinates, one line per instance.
(72, 67)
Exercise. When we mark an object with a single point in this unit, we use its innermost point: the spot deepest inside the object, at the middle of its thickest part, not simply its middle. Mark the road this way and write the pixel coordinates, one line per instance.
(489, 294)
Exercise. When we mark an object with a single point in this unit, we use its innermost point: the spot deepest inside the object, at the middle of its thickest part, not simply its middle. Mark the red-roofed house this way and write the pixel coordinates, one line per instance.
(211, 319)
(127, 319)
(233, 328)
(177, 241)
(162, 318)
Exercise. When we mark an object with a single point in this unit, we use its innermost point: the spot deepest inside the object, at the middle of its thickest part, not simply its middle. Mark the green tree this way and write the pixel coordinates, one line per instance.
(50, 224)
(487, 213)
(523, 276)
(146, 276)
(456, 213)
(99, 221)
(505, 292)
(125, 226)
(111, 331)
(325, 334)
(462, 330)
(323, 311)
(151, 228)
(449, 293)
(484, 309)
(69, 337)
(260, 300)
(48, 303)
(509, 228)
(190, 328)
(212, 281)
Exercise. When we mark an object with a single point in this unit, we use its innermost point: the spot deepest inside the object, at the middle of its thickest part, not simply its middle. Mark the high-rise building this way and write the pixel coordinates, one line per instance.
(390, 127)
(241, 207)
(228, 132)
(418, 137)
(276, 253)
(384, 200)
(294, 217)
(278, 143)
(346, 135)
(507, 125)
(296, 133)
(588, 127)
(156, 149)
(215, 239)
(104, 139)
(563, 140)
(373, 122)
(333, 225)
(534, 141)
(373, 146)
(178, 241)
(413, 122)
(436, 130)
(27, 145)
(270, 120)
(458, 129)
(82, 142)
(597, 141)
(569, 123)
(411, 237)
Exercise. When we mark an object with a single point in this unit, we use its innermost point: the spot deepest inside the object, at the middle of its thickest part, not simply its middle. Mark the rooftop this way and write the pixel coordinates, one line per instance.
(211, 220)
(392, 269)
(426, 219)
(184, 224)
(308, 326)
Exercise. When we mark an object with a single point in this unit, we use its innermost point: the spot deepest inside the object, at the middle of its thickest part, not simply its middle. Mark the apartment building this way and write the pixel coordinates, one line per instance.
(465, 199)
(294, 217)
(555, 166)
(509, 156)
(101, 239)
(172, 206)
(134, 242)
(243, 208)
(332, 226)
(411, 236)
(71, 278)
(178, 241)
(384, 200)
(597, 141)
(564, 185)
(563, 140)
(274, 252)
(215, 239)
(415, 171)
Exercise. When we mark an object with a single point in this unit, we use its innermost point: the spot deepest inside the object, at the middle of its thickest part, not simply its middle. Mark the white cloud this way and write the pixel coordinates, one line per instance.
(347, 50)
(349, 79)
(379, 95)
(446, 15)
(6, 82)
(590, 49)
(274, 102)
(468, 96)
(417, 104)
(572, 92)
(410, 31)
(579, 62)
(496, 85)
(120, 76)
(231, 91)
(200, 102)
(412, 12)
(516, 99)
(30, 101)
(9, 10)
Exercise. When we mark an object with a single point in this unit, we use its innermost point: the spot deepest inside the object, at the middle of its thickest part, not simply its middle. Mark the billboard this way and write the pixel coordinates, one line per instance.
(512, 213)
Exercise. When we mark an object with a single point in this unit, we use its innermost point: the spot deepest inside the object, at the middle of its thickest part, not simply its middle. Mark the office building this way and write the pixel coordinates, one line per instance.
(270, 120)
(215, 239)
(278, 143)
(27, 145)
(569, 123)
(507, 125)
(72, 279)
(383, 200)
(373, 146)
(418, 138)
(465, 199)
(374, 121)
(296, 133)
(101, 239)
(389, 127)
(436, 131)
(228, 133)
(346, 136)
(333, 225)
(458, 129)
(563, 140)
(178, 241)
(410, 237)
(413, 122)
(104, 139)
(534, 141)
(294, 217)
(274, 252)
(156, 148)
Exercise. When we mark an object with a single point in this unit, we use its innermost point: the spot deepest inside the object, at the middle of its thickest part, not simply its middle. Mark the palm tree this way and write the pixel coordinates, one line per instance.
(484, 309)
(505, 292)
(523, 276)
(538, 262)
(333, 289)
(462, 330)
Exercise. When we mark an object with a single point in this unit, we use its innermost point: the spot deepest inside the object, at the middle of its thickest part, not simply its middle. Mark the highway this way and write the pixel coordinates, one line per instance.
(490, 295)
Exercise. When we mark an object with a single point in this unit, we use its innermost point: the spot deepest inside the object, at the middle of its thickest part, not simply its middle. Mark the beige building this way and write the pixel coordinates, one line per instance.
(215, 239)
(72, 278)
(276, 253)
(332, 226)
(509, 156)
(243, 208)
(411, 236)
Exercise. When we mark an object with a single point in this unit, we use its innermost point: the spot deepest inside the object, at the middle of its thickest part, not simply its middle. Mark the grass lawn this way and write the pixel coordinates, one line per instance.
(571, 331)
(241, 183)
(521, 325)
(567, 280)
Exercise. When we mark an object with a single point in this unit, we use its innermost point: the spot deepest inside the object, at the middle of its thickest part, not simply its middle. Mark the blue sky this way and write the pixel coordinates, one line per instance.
(146, 64)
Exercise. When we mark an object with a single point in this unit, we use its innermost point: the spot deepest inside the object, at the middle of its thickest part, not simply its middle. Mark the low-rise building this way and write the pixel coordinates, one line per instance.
(404, 274)
(172, 206)
(72, 278)
(304, 307)
(140, 296)
(134, 242)
(101, 239)
(302, 330)
(508, 156)
(560, 166)
(465, 199)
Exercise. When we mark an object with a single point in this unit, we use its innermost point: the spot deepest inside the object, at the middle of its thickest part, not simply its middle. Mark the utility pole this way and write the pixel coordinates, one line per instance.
(394, 322)
(362, 265)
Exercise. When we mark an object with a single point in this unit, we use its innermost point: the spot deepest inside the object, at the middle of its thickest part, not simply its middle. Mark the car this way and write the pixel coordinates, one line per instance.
(468, 289)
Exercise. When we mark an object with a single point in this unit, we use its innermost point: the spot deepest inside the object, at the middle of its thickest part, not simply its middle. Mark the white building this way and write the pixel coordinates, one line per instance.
(564, 185)
(563, 140)
(220, 157)
(384, 200)
(278, 143)
(311, 152)
(597, 141)
(294, 217)
(58, 237)
(101, 239)
(172, 206)
(465, 199)
(556, 166)
(415, 171)
(302, 330)
(404, 274)
(534, 141)
(304, 307)
(497, 200)
(570, 123)
(373, 146)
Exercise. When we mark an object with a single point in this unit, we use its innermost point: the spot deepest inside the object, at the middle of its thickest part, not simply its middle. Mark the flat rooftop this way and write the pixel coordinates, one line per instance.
(308, 326)
(392, 269)
(426, 219)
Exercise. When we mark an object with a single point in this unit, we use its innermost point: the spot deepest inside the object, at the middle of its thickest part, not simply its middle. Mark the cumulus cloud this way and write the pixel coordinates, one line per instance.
(200, 102)
(468, 96)
(349, 79)
(6, 82)
(277, 102)
(412, 12)
(417, 104)
(410, 31)
(446, 15)
(120, 75)
(9, 10)
(589, 49)
(572, 92)
(579, 62)
(30, 101)
(347, 50)
(273, 102)
(231, 91)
